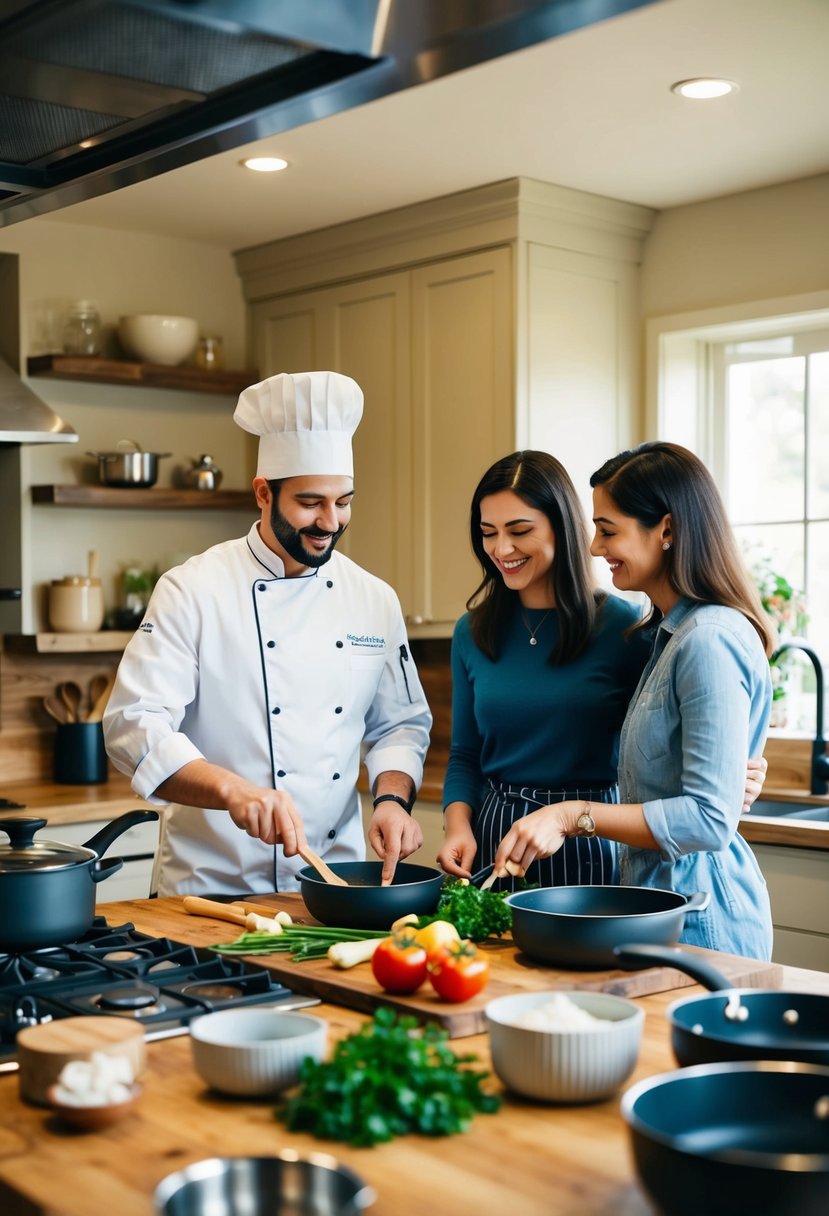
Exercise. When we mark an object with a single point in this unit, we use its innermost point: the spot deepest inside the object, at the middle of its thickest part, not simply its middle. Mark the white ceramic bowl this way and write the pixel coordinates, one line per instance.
(153, 338)
(565, 1065)
(255, 1051)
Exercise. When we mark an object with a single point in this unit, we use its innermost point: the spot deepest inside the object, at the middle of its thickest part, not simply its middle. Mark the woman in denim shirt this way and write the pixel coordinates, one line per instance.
(702, 704)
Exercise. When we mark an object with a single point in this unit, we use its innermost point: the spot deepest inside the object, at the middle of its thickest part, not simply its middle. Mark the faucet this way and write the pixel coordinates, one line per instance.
(820, 761)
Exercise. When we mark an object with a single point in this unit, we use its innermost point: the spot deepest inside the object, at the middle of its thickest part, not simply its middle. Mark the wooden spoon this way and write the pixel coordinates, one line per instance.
(97, 711)
(510, 868)
(71, 695)
(55, 709)
(96, 689)
(321, 867)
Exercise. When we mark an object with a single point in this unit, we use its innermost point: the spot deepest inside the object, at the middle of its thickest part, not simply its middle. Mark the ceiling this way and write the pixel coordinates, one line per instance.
(590, 110)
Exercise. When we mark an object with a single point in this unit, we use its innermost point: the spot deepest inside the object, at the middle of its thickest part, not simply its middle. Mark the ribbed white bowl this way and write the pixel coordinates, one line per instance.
(254, 1051)
(565, 1065)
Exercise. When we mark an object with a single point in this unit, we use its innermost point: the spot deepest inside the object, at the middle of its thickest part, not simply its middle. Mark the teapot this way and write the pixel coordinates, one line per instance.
(204, 474)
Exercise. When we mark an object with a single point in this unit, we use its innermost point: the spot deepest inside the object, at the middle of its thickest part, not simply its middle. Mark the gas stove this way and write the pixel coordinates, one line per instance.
(116, 971)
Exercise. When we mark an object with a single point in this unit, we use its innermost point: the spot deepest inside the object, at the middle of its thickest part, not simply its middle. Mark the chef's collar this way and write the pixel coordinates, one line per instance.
(272, 562)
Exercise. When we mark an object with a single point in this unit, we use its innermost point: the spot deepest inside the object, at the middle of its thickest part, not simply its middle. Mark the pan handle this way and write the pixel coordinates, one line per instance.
(100, 842)
(634, 955)
(102, 869)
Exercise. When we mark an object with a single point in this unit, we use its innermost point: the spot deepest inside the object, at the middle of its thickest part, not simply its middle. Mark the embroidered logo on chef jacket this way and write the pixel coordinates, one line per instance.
(366, 641)
(147, 626)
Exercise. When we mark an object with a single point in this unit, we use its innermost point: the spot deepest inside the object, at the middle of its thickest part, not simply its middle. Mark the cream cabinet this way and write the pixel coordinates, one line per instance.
(501, 318)
(797, 880)
(137, 847)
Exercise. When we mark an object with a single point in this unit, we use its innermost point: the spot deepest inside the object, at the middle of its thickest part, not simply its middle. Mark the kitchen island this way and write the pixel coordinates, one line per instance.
(529, 1158)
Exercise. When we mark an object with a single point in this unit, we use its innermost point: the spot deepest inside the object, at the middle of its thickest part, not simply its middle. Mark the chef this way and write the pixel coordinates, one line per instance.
(265, 666)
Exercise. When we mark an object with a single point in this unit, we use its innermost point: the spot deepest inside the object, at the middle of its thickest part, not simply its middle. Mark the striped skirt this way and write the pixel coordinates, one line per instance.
(580, 861)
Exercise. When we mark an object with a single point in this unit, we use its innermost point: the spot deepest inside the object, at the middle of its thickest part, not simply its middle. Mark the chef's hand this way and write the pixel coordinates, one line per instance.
(458, 851)
(393, 834)
(755, 776)
(539, 834)
(267, 815)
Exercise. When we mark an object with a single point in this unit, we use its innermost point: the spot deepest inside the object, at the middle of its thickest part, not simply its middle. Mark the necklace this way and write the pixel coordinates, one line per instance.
(533, 632)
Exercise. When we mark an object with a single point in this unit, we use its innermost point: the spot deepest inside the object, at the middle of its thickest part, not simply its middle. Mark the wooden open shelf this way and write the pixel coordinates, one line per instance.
(147, 499)
(103, 642)
(151, 375)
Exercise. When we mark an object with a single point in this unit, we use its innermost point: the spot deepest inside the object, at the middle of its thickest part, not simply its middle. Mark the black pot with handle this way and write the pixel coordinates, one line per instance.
(737, 1023)
(364, 903)
(735, 1138)
(48, 889)
(579, 927)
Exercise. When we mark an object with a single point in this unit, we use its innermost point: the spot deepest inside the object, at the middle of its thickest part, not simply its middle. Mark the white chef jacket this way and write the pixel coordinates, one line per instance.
(282, 680)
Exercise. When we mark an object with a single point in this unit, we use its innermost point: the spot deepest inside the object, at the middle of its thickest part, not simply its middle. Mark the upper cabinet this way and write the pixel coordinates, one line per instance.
(496, 319)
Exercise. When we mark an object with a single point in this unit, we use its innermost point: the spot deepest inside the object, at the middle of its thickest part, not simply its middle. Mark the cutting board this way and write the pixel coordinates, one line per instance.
(510, 971)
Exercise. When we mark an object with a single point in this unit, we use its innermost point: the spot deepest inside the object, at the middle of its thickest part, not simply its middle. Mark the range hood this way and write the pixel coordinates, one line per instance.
(96, 95)
(24, 418)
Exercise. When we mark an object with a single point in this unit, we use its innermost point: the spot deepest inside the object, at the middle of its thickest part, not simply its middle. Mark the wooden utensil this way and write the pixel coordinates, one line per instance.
(95, 691)
(196, 906)
(324, 870)
(71, 695)
(56, 709)
(510, 868)
(97, 711)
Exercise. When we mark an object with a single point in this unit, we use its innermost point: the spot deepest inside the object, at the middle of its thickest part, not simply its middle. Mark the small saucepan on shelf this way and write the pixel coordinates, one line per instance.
(128, 467)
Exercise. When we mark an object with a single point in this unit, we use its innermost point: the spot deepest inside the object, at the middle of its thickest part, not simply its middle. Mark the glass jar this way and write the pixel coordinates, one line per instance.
(209, 354)
(82, 331)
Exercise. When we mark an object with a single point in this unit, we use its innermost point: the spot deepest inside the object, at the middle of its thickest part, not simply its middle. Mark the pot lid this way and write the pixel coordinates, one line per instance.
(23, 854)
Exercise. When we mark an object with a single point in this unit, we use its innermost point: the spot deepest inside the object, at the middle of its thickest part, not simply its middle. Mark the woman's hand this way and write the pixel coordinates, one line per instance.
(539, 834)
(458, 852)
(755, 777)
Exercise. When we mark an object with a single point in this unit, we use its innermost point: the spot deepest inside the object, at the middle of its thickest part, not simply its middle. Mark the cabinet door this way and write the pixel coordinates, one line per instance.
(463, 418)
(362, 330)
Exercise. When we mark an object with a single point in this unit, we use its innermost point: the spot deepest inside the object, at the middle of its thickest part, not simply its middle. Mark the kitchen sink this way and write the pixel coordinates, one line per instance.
(790, 810)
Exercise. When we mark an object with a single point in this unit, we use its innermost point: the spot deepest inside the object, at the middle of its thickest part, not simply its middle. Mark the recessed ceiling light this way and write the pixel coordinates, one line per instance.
(702, 88)
(265, 164)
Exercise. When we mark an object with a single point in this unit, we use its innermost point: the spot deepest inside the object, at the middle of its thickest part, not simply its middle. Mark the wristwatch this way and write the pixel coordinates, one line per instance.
(586, 824)
(398, 798)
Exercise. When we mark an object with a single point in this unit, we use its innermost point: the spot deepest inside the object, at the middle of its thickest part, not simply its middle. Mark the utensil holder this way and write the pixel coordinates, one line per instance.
(80, 755)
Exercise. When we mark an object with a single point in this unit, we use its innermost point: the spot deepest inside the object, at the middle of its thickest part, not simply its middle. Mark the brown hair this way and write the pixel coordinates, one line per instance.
(658, 479)
(543, 483)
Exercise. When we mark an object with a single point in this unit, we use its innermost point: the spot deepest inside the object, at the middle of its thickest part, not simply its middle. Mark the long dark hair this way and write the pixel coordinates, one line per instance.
(544, 484)
(703, 563)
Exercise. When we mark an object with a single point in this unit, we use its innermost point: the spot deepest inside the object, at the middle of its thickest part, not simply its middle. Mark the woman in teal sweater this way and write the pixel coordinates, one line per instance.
(542, 673)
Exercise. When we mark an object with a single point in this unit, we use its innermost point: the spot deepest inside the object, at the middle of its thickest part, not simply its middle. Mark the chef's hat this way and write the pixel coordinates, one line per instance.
(305, 421)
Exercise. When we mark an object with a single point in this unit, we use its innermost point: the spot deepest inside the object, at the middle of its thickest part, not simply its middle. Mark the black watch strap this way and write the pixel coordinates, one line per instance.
(407, 806)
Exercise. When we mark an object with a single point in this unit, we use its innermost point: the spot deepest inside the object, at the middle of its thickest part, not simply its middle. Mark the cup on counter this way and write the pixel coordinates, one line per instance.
(76, 604)
(80, 755)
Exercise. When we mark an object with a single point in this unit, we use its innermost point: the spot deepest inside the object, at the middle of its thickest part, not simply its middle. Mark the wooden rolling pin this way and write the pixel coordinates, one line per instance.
(196, 906)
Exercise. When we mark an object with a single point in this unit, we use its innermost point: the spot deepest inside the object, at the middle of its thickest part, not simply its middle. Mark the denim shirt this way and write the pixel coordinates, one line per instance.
(700, 711)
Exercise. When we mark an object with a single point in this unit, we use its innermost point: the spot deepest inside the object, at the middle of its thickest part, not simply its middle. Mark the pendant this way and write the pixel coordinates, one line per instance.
(533, 642)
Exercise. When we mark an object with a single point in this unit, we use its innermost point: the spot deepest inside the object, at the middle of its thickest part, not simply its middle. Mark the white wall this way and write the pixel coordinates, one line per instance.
(759, 245)
(122, 272)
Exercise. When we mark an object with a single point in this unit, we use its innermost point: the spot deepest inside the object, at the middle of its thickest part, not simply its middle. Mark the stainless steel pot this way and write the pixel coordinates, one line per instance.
(47, 889)
(128, 466)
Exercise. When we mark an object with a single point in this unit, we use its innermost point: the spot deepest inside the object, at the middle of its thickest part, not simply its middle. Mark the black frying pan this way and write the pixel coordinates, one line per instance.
(364, 903)
(733, 1139)
(580, 926)
(738, 1023)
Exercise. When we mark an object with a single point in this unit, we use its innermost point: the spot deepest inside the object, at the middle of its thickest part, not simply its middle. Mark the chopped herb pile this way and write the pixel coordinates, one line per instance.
(388, 1079)
(476, 914)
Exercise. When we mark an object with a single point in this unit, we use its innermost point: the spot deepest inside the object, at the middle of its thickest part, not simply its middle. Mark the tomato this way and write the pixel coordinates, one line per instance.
(436, 935)
(399, 963)
(458, 971)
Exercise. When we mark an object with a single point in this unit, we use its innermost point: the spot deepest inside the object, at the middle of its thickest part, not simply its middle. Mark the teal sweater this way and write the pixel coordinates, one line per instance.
(521, 720)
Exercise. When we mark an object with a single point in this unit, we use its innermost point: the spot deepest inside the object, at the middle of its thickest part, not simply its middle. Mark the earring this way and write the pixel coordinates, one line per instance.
(666, 544)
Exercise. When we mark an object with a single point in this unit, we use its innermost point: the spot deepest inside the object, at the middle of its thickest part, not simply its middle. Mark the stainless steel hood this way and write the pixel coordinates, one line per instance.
(96, 95)
(24, 418)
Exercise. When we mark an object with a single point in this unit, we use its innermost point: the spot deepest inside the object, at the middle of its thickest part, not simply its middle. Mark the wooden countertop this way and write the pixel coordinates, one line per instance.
(531, 1157)
(73, 803)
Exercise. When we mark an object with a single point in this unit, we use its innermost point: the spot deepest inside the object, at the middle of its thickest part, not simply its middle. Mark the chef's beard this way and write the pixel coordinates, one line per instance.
(291, 539)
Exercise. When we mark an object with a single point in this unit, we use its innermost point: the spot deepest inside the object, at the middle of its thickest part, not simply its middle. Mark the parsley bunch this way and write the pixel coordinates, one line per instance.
(387, 1079)
(476, 914)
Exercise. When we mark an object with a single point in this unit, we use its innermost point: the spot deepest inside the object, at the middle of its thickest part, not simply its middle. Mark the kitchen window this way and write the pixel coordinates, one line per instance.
(752, 398)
